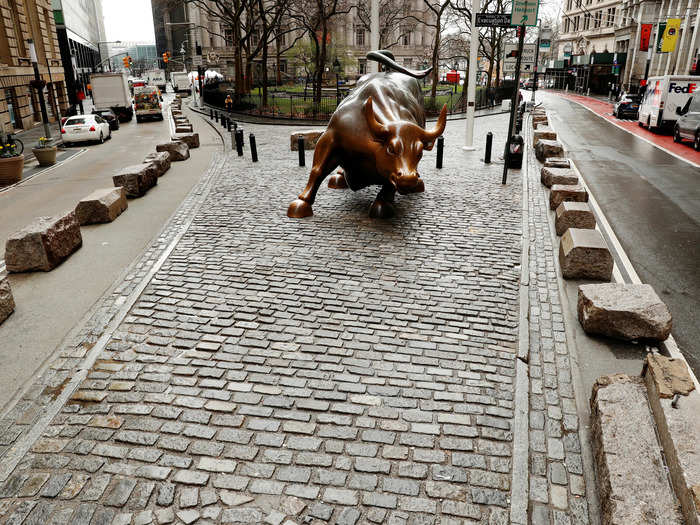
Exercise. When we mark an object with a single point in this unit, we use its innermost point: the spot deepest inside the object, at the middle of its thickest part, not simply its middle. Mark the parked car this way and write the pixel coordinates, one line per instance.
(627, 106)
(85, 128)
(688, 125)
(529, 83)
(109, 116)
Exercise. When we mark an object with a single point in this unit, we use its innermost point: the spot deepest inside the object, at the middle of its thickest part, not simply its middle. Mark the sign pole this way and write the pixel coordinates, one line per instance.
(514, 102)
(471, 81)
(537, 64)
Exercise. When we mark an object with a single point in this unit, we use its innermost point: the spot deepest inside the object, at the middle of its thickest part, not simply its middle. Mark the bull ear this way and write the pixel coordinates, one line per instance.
(430, 136)
(378, 131)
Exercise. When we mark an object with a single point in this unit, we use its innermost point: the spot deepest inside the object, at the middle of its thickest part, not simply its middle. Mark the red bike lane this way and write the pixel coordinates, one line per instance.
(604, 110)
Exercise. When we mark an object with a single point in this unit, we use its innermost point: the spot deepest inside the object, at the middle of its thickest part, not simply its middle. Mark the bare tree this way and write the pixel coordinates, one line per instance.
(395, 20)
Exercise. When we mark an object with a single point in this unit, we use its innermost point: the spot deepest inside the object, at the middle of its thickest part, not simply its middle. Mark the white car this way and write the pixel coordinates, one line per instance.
(85, 128)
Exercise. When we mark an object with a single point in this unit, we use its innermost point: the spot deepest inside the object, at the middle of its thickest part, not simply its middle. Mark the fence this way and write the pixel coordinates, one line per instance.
(301, 106)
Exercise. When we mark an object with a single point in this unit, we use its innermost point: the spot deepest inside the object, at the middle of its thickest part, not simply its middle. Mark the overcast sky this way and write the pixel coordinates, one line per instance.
(128, 20)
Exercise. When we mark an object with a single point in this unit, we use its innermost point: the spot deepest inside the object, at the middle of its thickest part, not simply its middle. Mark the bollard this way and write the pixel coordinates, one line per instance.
(588, 92)
(233, 140)
(229, 125)
(300, 146)
(216, 116)
(253, 148)
(211, 114)
(489, 143)
(239, 142)
(235, 126)
(440, 148)
(224, 120)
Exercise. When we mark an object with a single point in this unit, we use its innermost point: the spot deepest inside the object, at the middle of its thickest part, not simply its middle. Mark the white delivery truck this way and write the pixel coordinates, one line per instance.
(156, 77)
(662, 96)
(111, 91)
(180, 81)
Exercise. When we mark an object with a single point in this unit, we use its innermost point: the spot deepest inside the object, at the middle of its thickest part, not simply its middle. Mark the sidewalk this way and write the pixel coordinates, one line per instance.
(337, 369)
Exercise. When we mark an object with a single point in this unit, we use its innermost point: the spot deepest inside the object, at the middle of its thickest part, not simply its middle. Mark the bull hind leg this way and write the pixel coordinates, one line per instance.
(324, 163)
(383, 205)
(337, 181)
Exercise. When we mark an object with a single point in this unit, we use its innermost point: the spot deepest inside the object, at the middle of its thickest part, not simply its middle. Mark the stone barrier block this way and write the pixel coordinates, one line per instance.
(557, 162)
(7, 302)
(137, 179)
(573, 215)
(562, 176)
(548, 148)
(623, 311)
(161, 160)
(564, 192)
(583, 254)
(632, 481)
(543, 132)
(310, 138)
(101, 206)
(177, 150)
(44, 244)
(176, 112)
(191, 139)
(183, 128)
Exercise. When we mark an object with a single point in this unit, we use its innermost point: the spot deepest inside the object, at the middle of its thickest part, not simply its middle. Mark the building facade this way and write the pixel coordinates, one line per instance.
(185, 30)
(20, 21)
(601, 45)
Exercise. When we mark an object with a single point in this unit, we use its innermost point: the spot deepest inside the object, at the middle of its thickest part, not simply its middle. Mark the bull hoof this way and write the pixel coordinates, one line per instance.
(337, 182)
(381, 209)
(299, 209)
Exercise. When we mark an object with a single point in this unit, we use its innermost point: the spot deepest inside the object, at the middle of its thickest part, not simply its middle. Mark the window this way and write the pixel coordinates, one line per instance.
(405, 36)
(228, 37)
(567, 25)
(586, 21)
(598, 17)
(611, 17)
(408, 63)
(19, 37)
(362, 66)
(359, 36)
(282, 38)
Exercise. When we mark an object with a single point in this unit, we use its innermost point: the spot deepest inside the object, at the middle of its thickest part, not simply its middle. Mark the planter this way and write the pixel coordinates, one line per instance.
(45, 156)
(11, 170)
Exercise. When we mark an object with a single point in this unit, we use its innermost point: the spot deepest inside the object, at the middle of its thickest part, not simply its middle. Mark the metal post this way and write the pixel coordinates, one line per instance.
(239, 142)
(440, 149)
(300, 146)
(229, 121)
(253, 148)
(513, 103)
(211, 114)
(39, 89)
(489, 143)
(216, 116)
(537, 58)
(233, 140)
(471, 81)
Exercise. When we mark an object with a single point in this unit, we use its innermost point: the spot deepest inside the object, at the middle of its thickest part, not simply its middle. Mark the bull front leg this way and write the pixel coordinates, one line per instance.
(337, 181)
(324, 163)
(383, 207)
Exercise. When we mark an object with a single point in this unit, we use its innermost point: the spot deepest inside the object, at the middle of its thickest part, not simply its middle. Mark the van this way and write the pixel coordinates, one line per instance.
(663, 95)
(688, 125)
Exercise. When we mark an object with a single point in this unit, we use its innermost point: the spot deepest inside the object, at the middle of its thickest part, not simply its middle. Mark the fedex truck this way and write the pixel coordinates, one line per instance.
(663, 95)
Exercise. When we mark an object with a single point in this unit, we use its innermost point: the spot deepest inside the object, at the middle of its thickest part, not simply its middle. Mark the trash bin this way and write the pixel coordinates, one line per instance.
(515, 151)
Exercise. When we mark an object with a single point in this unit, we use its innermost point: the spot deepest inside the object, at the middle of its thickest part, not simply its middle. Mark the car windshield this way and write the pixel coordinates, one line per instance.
(76, 121)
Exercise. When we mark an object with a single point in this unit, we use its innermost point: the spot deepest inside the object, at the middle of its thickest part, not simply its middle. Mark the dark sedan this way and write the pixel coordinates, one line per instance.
(627, 107)
(109, 116)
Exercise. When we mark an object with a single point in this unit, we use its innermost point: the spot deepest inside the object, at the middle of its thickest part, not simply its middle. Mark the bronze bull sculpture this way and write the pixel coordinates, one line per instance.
(377, 136)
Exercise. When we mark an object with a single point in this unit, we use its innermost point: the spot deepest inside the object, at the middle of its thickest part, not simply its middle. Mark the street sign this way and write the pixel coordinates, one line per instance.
(197, 60)
(493, 20)
(510, 56)
(524, 12)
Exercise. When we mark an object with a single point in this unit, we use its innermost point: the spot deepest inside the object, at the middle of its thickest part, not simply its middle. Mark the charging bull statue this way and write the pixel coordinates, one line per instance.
(376, 136)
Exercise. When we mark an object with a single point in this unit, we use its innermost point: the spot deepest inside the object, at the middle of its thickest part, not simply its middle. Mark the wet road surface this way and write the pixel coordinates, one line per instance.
(652, 201)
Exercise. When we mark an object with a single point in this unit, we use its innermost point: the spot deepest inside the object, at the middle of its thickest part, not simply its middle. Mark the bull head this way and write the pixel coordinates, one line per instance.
(401, 148)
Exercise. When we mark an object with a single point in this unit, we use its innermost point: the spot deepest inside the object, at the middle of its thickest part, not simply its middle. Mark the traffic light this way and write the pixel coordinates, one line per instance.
(125, 61)
(165, 57)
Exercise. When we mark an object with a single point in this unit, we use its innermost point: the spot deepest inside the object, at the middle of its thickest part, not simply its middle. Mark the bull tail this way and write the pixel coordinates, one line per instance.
(386, 58)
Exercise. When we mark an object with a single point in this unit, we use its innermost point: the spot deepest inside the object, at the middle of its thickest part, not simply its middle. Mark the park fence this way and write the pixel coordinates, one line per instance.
(301, 106)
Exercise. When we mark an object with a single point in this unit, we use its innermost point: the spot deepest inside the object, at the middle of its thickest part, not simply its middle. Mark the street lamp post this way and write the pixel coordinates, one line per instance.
(39, 84)
(336, 69)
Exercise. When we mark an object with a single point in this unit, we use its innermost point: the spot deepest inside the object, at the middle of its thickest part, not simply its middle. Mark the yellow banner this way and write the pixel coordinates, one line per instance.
(673, 26)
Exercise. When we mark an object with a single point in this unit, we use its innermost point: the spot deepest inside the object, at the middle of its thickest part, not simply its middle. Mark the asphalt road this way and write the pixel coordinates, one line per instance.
(50, 304)
(652, 201)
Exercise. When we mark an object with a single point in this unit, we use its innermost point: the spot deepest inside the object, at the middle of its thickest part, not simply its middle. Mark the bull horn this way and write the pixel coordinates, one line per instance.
(430, 136)
(378, 130)
(386, 58)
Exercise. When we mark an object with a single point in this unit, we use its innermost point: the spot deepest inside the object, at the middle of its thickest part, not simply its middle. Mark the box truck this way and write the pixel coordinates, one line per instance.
(147, 103)
(663, 95)
(156, 77)
(180, 81)
(111, 91)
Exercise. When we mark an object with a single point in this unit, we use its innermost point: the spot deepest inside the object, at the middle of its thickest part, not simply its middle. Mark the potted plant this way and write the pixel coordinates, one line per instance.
(45, 154)
(11, 164)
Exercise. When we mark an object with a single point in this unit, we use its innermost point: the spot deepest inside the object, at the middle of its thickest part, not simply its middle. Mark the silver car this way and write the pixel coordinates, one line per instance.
(688, 125)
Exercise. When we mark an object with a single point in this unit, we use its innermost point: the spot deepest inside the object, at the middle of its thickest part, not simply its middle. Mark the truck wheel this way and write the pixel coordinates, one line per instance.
(696, 142)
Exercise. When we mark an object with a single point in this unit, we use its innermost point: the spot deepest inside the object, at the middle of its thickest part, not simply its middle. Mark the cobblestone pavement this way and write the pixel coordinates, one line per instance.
(333, 369)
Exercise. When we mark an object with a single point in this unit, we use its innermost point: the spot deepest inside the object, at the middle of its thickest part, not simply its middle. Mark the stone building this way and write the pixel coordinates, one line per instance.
(176, 27)
(19, 105)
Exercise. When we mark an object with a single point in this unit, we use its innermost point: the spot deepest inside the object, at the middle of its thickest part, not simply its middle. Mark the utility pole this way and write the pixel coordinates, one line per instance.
(471, 81)
(39, 84)
(537, 60)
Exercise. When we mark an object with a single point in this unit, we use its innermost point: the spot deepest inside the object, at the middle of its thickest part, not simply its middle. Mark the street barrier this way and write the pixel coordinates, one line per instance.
(440, 150)
(300, 146)
(253, 148)
(489, 143)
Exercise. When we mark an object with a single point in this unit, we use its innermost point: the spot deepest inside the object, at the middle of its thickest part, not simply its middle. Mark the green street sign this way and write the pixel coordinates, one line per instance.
(524, 13)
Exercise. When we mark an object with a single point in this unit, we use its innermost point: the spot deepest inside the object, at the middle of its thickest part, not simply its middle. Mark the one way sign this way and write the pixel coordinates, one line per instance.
(524, 13)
